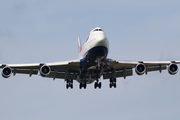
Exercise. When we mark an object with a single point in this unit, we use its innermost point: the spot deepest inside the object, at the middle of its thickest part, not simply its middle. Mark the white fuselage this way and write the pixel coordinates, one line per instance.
(96, 38)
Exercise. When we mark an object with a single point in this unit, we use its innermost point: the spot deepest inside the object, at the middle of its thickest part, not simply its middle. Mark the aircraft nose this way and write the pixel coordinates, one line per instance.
(102, 40)
(101, 36)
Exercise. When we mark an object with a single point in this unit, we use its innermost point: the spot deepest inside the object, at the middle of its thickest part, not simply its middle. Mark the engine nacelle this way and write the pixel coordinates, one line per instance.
(45, 70)
(172, 69)
(140, 69)
(6, 72)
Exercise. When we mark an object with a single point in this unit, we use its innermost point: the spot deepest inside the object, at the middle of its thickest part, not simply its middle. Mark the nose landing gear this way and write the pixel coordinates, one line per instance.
(82, 84)
(97, 84)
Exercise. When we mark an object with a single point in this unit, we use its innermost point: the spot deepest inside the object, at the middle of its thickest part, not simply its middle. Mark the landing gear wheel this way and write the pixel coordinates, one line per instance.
(85, 85)
(114, 85)
(95, 85)
(71, 86)
(110, 85)
(80, 85)
(67, 81)
(67, 86)
(99, 85)
(110, 80)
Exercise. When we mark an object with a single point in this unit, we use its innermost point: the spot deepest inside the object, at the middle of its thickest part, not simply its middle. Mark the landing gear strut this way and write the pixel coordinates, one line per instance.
(112, 83)
(69, 83)
(100, 64)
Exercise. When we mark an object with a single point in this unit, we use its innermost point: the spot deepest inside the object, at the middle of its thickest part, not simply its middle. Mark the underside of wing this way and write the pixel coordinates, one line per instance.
(117, 68)
(51, 70)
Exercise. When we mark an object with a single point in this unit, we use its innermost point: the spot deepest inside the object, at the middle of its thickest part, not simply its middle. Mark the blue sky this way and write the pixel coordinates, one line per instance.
(40, 31)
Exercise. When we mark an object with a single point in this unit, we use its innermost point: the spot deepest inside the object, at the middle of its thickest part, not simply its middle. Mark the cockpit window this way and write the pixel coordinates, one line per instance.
(97, 30)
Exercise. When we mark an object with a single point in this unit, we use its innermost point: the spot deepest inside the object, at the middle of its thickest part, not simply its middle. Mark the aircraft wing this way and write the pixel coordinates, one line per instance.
(118, 68)
(61, 70)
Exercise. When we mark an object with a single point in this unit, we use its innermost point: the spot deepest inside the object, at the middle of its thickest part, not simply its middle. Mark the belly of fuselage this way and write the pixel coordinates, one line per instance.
(93, 54)
(99, 51)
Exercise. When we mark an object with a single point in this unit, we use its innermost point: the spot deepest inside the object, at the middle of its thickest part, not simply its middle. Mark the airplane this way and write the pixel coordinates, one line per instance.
(90, 66)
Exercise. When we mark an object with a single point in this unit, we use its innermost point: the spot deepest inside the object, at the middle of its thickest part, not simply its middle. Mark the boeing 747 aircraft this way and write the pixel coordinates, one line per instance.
(91, 65)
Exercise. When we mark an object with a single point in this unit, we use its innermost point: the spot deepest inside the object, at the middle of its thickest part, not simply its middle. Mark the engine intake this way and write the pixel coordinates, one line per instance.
(6, 72)
(172, 69)
(140, 69)
(45, 70)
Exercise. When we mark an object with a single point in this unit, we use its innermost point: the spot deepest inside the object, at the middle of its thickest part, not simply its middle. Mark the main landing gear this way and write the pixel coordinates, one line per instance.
(112, 83)
(69, 83)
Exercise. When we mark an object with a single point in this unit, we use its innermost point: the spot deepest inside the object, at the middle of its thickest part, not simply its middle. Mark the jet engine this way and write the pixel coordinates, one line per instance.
(6, 72)
(45, 70)
(140, 69)
(172, 69)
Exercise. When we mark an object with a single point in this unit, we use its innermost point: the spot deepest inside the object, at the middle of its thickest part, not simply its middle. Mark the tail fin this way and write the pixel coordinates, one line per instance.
(79, 45)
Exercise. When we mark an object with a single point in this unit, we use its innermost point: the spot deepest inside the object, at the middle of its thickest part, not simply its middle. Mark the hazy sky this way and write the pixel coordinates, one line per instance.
(39, 31)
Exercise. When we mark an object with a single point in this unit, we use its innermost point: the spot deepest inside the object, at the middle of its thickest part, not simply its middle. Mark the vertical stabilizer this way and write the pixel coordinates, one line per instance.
(79, 45)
